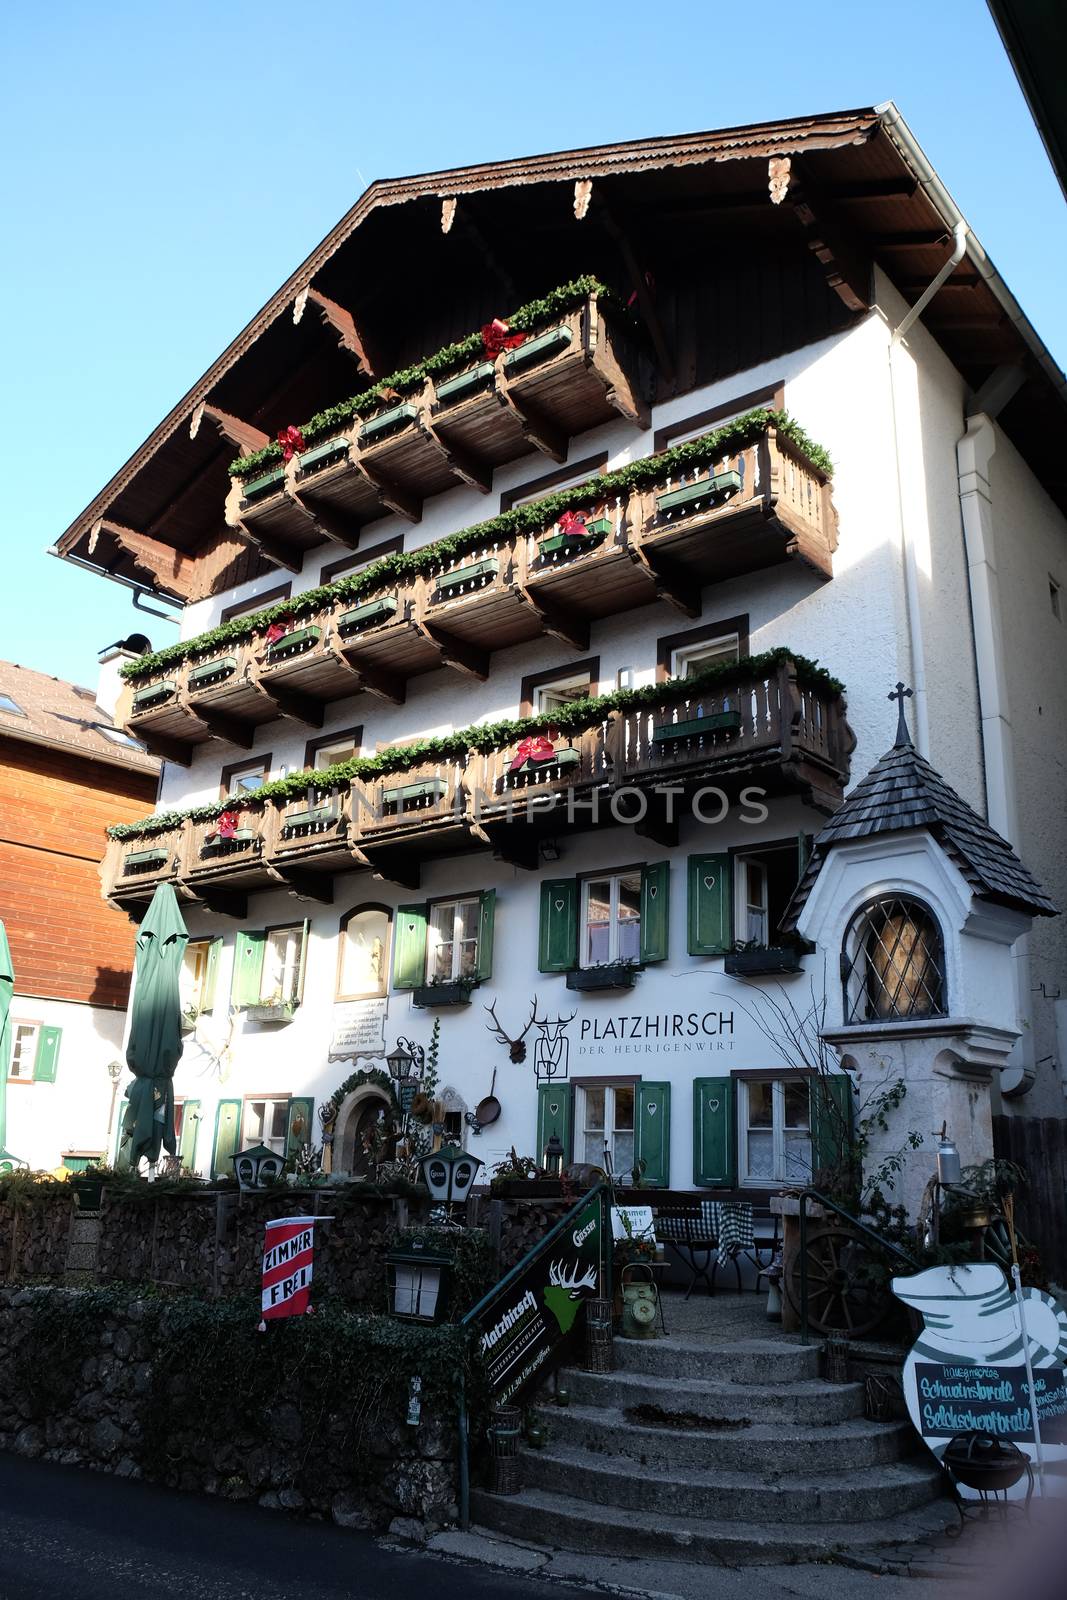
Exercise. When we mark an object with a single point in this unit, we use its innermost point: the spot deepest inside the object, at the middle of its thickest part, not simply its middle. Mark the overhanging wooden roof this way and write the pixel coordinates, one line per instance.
(855, 188)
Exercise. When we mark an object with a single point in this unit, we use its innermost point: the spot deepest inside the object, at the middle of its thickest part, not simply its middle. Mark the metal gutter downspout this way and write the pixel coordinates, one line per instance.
(907, 543)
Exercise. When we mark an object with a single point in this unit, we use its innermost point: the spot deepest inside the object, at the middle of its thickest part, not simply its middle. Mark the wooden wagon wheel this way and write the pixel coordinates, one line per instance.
(846, 1295)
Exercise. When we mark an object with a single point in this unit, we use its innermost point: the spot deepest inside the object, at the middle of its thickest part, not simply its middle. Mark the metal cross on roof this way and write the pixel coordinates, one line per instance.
(900, 694)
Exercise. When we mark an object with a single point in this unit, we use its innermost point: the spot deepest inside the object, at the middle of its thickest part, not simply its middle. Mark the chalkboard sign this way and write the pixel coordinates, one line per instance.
(965, 1399)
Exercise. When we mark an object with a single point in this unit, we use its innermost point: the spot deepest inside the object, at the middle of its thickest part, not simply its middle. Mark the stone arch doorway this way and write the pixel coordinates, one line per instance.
(360, 1112)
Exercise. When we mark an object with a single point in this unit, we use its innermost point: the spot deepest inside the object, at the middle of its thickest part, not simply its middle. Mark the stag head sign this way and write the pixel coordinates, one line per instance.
(551, 1047)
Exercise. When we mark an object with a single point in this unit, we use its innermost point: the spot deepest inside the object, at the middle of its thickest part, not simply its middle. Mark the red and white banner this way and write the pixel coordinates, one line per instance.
(288, 1262)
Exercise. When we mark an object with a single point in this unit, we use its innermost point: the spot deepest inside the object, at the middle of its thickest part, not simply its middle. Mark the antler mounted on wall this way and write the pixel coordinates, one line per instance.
(516, 1046)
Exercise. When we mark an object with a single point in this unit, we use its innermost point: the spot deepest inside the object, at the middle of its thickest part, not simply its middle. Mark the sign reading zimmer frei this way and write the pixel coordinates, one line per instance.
(531, 1316)
(288, 1264)
(966, 1371)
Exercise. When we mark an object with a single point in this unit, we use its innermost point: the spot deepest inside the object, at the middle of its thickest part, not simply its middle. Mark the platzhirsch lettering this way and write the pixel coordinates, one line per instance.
(508, 1320)
(671, 1025)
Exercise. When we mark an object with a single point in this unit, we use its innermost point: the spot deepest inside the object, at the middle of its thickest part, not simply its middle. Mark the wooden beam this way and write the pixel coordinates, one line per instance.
(918, 239)
(464, 215)
(638, 282)
(392, 867)
(518, 847)
(223, 902)
(220, 726)
(384, 685)
(165, 568)
(1002, 385)
(562, 624)
(671, 584)
(291, 560)
(292, 703)
(655, 826)
(336, 526)
(455, 652)
(304, 885)
(157, 744)
(342, 323)
(478, 474)
(845, 266)
(244, 436)
(543, 434)
(390, 494)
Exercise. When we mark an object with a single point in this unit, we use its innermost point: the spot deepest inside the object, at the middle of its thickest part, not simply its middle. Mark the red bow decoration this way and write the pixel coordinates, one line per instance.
(277, 630)
(291, 440)
(536, 748)
(572, 523)
(229, 822)
(495, 337)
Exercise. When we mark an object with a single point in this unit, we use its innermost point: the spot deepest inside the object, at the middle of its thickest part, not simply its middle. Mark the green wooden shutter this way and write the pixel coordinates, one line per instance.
(655, 910)
(207, 994)
(652, 1127)
(299, 1129)
(831, 1105)
(227, 1137)
(714, 1133)
(299, 995)
(409, 947)
(46, 1059)
(124, 1151)
(555, 1104)
(190, 1129)
(247, 967)
(711, 905)
(486, 916)
(557, 947)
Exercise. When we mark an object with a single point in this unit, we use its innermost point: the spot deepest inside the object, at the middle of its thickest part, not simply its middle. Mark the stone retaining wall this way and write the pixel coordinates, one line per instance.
(34, 1237)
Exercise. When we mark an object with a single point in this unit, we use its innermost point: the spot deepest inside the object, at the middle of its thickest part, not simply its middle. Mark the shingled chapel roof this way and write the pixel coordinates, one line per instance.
(903, 791)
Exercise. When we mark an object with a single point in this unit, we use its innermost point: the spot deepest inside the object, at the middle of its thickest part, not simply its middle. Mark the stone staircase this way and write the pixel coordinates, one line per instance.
(720, 1443)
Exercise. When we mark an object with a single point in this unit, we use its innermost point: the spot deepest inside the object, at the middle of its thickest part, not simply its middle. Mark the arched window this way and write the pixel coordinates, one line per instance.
(893, 962)
(363, 957)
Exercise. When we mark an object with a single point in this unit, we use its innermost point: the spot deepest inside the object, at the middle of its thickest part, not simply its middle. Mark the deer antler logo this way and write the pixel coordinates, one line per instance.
(516, 1046)
(563, 1293)
(552, 1050)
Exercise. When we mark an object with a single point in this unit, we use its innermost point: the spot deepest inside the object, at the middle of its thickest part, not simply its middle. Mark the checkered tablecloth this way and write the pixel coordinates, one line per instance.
(729, 1223)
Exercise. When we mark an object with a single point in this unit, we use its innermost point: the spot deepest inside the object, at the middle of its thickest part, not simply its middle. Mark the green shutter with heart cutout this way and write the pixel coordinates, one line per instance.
(227, 1137)
(557, 946)
(831, 1104)
(714, 1133)
(409, 947)
(247, 967)
(554, 1107)
(711, 921)
(47, 1057)
(190, 1129)
(299, 1129)
(486, 916)
(652, 1130)
(655, 910)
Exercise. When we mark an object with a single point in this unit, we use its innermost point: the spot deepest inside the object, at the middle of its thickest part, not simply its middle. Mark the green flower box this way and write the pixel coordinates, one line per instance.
(293, 644)
(209, 672)
(144, 860)
(767, 960)
(153, 694)
(240, 837)
(613, 975)
(425, 789)
(284, 1011)
(370, 615)
(387, 422)
(546, 345)
(451, 582)
(260, 488)
(453, 390)
(568, 544)
(562, 758)
(716, 722)
(313, 817)
(323, 455)
(691, 497)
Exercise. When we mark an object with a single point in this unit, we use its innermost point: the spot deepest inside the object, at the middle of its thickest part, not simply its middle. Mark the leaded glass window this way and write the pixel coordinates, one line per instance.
(893, 963)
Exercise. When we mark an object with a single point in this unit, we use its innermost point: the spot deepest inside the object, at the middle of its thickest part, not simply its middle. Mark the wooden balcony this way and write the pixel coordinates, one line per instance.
(132, 869)
(222, 864)
(404, 818)
(755, 508)
(301, 671)
(589, 573)
(310, 840)
(220, 691)
(475, 605)
(161, 718)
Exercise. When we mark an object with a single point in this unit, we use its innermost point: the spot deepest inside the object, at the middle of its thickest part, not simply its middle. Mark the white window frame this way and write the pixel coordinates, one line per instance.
(345, 742)
(610, 1087)
(191, 981)
(10, 706)
(23, 1050)
(614, 881)
(704, 653)
(743, 903)
(270, 1140)
(237, 785)
(777, 1130)
(435, 928)
(573, 680)
(289, 987)
(570, 482)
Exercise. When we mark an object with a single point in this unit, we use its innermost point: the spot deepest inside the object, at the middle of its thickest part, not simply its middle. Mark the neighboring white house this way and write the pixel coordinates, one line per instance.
(947, 576)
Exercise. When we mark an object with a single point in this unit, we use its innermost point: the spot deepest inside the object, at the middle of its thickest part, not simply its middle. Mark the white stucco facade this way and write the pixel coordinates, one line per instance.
(59, 1090)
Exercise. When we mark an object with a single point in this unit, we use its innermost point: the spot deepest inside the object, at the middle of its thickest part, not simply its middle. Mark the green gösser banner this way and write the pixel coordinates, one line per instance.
(533, 1314)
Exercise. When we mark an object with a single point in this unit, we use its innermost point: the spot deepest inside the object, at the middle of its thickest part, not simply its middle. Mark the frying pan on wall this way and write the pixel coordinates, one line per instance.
(488, 1110)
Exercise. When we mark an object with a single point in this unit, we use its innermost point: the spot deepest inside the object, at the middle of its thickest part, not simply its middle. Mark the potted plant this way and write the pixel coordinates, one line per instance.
(605, 975)
(272, 1008)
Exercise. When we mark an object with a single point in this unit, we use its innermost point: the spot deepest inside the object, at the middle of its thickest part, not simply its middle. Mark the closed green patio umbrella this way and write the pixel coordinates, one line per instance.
(155, 1042)
(7, 989)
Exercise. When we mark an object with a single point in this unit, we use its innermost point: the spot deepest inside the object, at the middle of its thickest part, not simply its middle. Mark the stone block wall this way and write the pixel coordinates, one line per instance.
(34, 1235)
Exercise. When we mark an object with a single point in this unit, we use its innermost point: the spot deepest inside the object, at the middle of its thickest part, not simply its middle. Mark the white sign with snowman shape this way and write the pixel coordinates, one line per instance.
(966, 1372)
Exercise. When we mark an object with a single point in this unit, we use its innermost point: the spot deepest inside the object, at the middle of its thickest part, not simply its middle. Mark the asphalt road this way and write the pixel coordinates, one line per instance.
(88, 1536)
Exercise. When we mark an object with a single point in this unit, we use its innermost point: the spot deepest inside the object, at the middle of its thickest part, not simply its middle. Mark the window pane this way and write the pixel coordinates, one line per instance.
(593, 1149)
(247, 782)
(597, 922)
(624, 1106)
(440, 951)
(797, 1104)
(760, 1105)
(761, 1155)
(332, 754)
(441, 961)
(279, 1116)
(594, 1108)
(797, 1157)
(24, 1050)
(254, 1118)
(629, 939)
(550, 696)
(687, 663)
(622, 1153)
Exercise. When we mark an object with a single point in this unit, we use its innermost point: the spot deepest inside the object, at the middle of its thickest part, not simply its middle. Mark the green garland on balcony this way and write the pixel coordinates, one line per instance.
(449, 359)
(643, 474)
(488, 736)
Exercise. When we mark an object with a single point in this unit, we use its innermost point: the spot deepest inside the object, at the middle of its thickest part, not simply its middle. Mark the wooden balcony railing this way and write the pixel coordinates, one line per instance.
(424, 800)
(230, 850)
(133, 868)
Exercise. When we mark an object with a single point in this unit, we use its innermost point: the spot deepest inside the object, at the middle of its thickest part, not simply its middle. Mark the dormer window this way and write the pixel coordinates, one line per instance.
(893, 963)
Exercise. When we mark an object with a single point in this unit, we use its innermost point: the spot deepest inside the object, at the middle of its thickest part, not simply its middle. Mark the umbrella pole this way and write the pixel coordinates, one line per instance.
(1009, 1217)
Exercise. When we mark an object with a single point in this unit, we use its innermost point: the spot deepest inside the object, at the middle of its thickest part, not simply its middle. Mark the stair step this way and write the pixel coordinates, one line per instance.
(863, 1494)
(608, 1431)
(742, 1361)
(805, 1401)
(560, 1522)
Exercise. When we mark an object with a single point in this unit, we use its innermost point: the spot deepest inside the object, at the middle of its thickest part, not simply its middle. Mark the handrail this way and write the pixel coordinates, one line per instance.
(520, 1266)
(853, 1222)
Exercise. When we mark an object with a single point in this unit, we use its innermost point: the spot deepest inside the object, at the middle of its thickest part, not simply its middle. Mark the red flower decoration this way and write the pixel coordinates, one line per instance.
(291, 440)
(536, 748)
(572, 523)
(278, 630)
(229, 822)
(495, 337)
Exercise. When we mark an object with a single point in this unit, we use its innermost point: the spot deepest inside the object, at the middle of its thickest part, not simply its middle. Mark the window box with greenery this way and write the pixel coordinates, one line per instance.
(295, 643)
(602, 929)
(268, 972)
(151, 695)
(699, 495)
(606, 975)
(761, 960)
(262, 487)
(444, 945)
(573, 535)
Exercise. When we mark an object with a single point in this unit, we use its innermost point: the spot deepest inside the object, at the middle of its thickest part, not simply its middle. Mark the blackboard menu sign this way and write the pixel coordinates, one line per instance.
(965, 1399)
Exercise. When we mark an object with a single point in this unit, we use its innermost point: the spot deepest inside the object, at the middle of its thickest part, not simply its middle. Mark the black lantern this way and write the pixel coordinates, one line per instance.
(256, 1167)
(449, 1173)
(418, 1283)
(552, 1159)
(406, 1061)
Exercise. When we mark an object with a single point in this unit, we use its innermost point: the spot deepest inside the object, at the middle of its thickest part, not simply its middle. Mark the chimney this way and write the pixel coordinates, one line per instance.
(110, 687)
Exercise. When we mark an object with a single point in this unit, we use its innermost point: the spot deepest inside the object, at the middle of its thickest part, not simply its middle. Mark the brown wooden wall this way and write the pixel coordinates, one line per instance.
(1039, 1146)
(66, 943)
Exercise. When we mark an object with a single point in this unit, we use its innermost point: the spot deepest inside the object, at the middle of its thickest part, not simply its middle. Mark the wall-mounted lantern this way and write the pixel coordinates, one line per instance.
(418, 1283)
(257, 1167)
(552, 1158)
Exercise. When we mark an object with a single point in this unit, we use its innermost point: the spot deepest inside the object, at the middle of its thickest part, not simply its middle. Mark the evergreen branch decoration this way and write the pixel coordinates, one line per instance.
(483, 738)
(531, 518)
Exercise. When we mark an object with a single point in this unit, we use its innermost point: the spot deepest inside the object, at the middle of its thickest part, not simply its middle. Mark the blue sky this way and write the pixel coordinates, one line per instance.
(140, 138)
